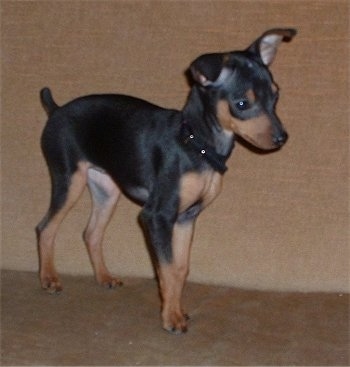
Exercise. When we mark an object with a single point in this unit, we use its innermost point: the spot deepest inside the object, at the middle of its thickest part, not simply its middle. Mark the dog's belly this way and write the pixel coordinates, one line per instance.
(137, 193)
(101, 182)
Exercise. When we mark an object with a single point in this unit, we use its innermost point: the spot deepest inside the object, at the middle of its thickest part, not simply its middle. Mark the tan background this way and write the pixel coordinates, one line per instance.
(281, 221)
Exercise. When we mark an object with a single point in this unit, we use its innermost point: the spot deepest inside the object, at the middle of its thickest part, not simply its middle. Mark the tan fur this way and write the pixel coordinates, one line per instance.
(257, 131)
(172, 277)
(203, 186)
(48, 274)
(194, 187)
(101, 214)
(93, 235)
(251, 96)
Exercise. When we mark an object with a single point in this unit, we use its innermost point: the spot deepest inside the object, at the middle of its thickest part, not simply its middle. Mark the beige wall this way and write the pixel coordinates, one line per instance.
(281, 221)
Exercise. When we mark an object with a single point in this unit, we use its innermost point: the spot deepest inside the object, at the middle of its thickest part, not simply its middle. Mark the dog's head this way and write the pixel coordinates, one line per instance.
(244, 91)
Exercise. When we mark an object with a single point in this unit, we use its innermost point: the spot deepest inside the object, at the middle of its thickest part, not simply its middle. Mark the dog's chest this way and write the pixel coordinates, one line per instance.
(201, 187)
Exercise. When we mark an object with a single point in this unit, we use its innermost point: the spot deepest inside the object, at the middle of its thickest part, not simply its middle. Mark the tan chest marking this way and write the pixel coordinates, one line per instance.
(194, 187)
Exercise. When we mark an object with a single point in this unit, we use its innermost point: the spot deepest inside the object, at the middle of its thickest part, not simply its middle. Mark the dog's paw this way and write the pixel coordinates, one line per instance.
(51, 284)
(175, 323)
(109, 282)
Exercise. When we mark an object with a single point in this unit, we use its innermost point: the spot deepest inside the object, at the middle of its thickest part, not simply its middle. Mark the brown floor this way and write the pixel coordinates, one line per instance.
(88, 325)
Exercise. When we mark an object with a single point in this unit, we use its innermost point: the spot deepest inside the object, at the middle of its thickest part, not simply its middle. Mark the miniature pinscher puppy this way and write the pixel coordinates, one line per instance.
(170, 162)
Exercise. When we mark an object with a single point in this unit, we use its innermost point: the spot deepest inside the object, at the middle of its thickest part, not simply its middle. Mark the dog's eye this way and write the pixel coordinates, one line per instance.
(243, 104)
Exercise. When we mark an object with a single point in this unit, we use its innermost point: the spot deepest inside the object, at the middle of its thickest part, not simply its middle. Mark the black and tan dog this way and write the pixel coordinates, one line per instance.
(171, 162)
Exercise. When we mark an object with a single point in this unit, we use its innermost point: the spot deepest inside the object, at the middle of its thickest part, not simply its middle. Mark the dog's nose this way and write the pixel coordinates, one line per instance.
(280, 139)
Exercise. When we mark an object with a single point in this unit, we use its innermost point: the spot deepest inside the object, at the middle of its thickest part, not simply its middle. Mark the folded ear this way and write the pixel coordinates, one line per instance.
(210, 70)
(266, 46)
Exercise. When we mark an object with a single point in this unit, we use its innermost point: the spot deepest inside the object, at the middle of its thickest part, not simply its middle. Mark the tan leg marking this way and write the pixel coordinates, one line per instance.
(104, 195)
(172, 278)
(194, 187)
(46, 241)
(257, 131)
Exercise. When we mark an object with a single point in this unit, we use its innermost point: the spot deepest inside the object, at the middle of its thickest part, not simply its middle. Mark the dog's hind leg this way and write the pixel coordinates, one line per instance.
(66, 190)
(104, 195)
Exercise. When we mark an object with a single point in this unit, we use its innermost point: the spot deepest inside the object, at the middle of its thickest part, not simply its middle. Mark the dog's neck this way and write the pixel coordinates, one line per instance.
(201, 116)
(191, 139)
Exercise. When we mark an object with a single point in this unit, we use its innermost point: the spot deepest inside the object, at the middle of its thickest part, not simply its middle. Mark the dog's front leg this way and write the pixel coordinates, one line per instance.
(172, 277)
(171, 244)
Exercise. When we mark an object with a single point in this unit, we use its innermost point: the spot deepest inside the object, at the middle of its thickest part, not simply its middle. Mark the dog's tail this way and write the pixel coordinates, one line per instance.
(47, 101)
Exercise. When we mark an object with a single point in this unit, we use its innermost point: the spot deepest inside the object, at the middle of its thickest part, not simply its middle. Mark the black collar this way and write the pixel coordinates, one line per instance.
(188, 137)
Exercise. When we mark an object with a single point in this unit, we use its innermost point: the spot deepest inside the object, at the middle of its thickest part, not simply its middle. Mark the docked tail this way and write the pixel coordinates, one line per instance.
(47, 101)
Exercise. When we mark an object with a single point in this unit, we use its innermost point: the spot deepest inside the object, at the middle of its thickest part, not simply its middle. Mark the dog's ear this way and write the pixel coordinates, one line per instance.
(265, 47)
(210, 70)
